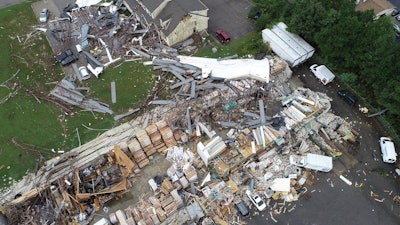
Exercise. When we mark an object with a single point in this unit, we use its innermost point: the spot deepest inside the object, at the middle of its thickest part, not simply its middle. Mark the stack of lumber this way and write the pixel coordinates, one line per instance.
(166, 133)
(146, 217)
(166, 186)
(169, 206)
(138, 153)
(159, 212)
(162, 216)
(190, 174)
(153, 216)
(155, 137)
(145, 142)
(123, 146)
(136, 214)
(177, 198)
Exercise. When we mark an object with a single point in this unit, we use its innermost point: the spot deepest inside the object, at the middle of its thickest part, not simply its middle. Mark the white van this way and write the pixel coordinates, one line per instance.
(388, 151)
(322, 73)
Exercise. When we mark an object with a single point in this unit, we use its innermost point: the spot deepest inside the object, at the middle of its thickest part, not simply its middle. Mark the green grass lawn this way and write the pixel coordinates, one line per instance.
(249, 44)
(31, 128)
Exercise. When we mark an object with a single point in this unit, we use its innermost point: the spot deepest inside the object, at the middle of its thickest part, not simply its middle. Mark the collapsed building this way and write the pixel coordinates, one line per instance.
(222, 136)
(225, 130)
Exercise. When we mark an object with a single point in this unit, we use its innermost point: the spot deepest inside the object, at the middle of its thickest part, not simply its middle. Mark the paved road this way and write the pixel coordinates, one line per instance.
(396, 3)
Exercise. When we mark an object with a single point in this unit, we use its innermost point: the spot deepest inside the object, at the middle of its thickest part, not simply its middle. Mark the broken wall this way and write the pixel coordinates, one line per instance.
(193, 22)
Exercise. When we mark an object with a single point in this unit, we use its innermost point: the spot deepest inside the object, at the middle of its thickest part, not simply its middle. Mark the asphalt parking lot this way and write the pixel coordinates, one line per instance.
(230, 16)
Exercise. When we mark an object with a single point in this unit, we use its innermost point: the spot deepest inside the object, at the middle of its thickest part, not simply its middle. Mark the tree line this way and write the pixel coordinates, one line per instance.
(360, 49)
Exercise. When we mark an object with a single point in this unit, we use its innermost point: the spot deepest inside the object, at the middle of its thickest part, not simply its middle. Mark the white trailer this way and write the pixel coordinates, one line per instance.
(313, 162)
(322, 73)
(290, 47)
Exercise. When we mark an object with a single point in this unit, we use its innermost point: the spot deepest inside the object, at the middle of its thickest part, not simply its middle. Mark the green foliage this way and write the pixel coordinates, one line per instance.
(348, 78)
(255, 45)
(262, 22)
(251, 44)
(361, 49)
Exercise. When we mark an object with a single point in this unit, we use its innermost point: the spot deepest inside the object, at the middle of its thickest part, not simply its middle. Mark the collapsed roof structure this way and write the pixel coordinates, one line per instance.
(176, 20)
(266, 121)
(242, 120)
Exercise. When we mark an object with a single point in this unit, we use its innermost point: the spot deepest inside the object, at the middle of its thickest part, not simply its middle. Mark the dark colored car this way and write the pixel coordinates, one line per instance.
(66, 57)
(223, 36)
(257, 15)
(69, 59)
(348, 97)
(395, 12)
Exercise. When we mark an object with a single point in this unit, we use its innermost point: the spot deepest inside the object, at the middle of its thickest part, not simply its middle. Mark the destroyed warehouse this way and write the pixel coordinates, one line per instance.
(231, 126)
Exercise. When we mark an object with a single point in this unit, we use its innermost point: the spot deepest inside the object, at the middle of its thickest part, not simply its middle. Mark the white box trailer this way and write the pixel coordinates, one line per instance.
(290, 47)
(313, 162)
(322, 73)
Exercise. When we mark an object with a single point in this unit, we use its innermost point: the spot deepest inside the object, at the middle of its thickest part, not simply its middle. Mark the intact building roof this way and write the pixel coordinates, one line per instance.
(378, 6)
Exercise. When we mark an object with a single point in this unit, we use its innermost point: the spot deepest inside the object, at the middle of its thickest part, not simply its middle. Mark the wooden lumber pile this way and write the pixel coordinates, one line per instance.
(153, 216)
(162, 216)
(121, 217)
(169, 206)
(136, 214)
(166, 186)
(155, 137)
(166, 133)
(138, 153)
(190, 174)
(145, 142)
(158, 211)
(177, 198)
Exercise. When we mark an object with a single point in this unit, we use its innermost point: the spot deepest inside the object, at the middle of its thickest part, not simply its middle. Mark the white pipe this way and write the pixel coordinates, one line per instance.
(346, 180)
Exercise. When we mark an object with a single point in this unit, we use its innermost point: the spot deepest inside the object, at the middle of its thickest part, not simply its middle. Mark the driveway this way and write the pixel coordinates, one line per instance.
(230, 16)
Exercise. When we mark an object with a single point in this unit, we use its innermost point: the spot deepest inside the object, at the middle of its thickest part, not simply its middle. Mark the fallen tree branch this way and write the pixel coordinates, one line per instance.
(15, 74)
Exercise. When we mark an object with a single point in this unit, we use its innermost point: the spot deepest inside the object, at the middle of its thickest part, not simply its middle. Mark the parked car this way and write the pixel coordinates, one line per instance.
(395, 12)
(69, 59)
(84, 72)
(257, 15)
(388, 151)
(60, 57)
(44, 15)
(66, 57)
(348, 97)
(223, 36)
(256, 200)
(398, 17)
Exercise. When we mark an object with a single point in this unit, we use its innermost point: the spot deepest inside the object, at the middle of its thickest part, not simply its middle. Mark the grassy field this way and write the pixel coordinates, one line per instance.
(31, 128)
